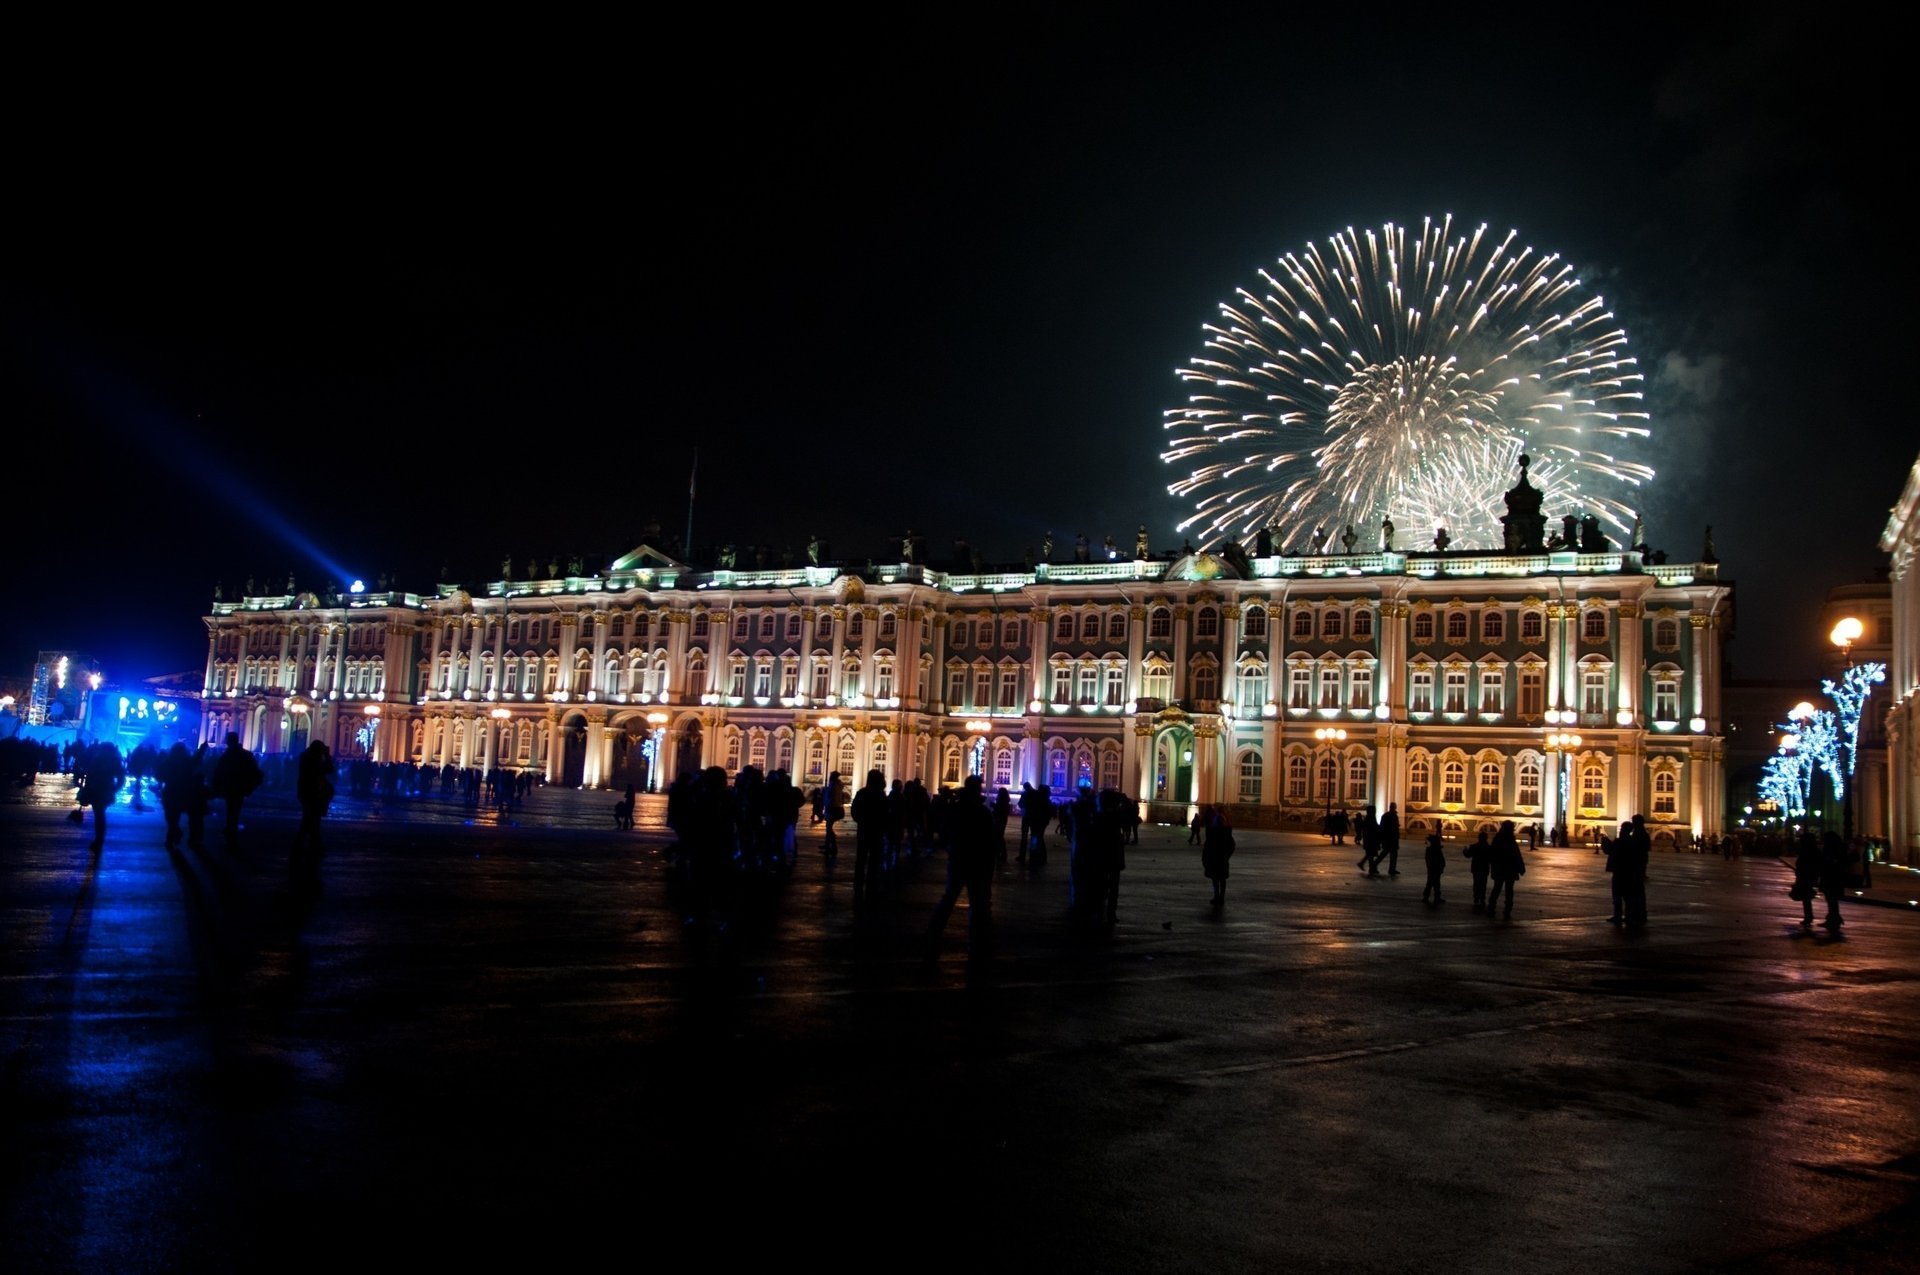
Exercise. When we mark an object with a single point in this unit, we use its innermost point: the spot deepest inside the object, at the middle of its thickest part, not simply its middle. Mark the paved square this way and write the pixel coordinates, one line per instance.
(496, 1045)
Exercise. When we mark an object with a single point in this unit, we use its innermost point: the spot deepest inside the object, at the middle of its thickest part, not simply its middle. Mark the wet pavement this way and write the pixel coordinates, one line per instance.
(498, 1042)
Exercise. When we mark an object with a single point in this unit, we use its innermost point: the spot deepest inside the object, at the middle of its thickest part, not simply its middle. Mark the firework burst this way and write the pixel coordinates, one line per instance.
(1395, 374)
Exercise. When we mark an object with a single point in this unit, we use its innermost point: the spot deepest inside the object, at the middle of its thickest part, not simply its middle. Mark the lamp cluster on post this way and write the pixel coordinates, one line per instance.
(1331, 737)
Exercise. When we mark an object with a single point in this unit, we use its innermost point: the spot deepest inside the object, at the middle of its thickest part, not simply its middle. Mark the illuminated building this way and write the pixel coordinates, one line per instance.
(1901, 540)
(1462, 680)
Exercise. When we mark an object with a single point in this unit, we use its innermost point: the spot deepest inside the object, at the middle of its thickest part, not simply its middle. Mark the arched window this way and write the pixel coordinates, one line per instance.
(1419, 781)
(702, 625)
(1206, 682)
(1207, 623)
(1666, 794)
(1250, 776)
(733, 742)
(1302, 625)
(1329, 777)
(1117, 627)
(1332, 624)
(1593, 787)
(1296, 778)
(1090, 627)
(1253, 624)
(1363, 624)
(1666, 635)
(1063, 627)
(1489, 785)
(1527, 783)
(742, 627)
(1456, 626)
(1110, 768)
(1160, 623)
(1057, 769)
(1423, 627)
(1532, 626)
(856, 624)
(1453, 782)
(1493, 625)
(1358, 773)
(844, 762)
(878, 753)
(1593, 625)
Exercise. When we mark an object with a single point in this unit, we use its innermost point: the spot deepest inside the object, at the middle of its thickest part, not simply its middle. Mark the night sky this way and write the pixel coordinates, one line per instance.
(423, 308)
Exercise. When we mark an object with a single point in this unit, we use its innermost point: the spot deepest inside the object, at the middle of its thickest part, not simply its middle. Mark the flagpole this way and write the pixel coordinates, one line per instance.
(692, 476)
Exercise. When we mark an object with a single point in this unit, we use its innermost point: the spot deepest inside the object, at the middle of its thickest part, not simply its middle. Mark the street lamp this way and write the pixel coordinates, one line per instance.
(1845, 633)
(1332, 737)
(1562, 743)
(657, 720)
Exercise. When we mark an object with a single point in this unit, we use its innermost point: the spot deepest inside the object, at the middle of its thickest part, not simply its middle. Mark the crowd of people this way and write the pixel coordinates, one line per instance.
(733, 835)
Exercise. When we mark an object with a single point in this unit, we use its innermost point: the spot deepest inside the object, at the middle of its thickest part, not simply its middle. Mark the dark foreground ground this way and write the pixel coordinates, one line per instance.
(503, 1047)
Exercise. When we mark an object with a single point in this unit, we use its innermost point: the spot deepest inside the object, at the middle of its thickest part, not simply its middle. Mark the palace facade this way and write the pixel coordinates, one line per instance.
(1466, 686)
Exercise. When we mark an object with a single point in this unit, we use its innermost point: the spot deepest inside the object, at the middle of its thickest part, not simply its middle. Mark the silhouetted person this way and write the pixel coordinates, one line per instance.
(235, 776)
(833, 808)
(1507, 868)
(313, 786)
(1630, 860)
(869, 835)
(623, 811)
(101, 774)
(1806, 875)
(1389, 840)
(1479, 864)
(182, 792)
(969, 868)
(1002, 814)
(1835, 876)
(1366, 831)
(1436, 864)
(1615, 850)
(1197, 829)
(1215, 852)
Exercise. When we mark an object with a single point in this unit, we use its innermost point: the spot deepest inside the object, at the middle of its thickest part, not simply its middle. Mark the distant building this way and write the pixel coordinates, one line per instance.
(1467, 686)
(1901, 541)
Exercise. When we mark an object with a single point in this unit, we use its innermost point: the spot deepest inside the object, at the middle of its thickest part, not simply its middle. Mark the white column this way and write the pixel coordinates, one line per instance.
(595, 679)
(320, 660)
(869, 642)
(499, 655)
(1042, 618)
(339, 678)
(1182, 619)
(1698, 671)
(1628, 675)
(1136, 650)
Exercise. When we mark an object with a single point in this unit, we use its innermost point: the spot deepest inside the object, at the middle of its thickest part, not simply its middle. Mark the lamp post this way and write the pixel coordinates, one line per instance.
(1560, 746)
(657, 721)
(1844, 635)
(1331, 737)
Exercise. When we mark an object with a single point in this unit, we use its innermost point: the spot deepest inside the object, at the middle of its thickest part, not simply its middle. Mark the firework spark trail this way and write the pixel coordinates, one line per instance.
(1394, 375)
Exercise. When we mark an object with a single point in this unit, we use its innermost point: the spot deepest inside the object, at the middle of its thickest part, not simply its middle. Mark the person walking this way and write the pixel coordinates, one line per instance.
(1630, 860)
(1215, 855)
(1615, 850)
(235, 776)
(1197, 829)
(182, 793)
(101, 775)
(869, 835)
(1479, 857)
(313, 785)
(833, 806)
(970, 865)
(1436, 864)
(1507, 868)
(1835, 873)
(1806, 876)
(1002, 815)
(1390, 839)
(1367, 833)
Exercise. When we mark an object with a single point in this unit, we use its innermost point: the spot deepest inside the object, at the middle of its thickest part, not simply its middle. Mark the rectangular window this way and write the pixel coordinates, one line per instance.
(1089, 685)
(822, 680)
(1493, 691)
(1593, 691)
(1666, 700)
(956, 687)
(1009, 688)
(1116, 684)
(1330, 687)
(982, 688)
(1062, 684)
(737, 680)
(1456, 690)
(1250, 777)
(789, 678)
(1420, 691)
(763, 679)
(1360, 686)
(1300, 687)
(1253, 690)
(1533, 692)
(883, 681)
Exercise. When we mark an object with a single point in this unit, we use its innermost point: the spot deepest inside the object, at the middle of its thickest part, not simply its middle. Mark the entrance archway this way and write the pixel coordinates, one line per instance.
(573, 758)
(1173, 765)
